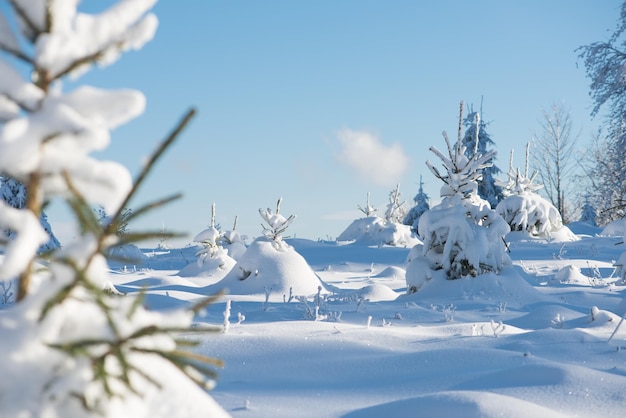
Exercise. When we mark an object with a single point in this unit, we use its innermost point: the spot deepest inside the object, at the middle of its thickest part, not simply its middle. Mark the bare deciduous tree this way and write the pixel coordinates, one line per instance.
(554, 154)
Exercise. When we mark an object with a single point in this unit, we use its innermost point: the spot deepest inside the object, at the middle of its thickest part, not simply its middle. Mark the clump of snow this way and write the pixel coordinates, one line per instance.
(235, 243)
(374, 230)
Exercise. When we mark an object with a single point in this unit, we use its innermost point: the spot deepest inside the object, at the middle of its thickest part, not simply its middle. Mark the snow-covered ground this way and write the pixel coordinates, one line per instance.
(532, 341)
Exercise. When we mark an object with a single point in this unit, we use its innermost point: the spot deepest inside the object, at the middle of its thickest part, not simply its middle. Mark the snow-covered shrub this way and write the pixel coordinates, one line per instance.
(374, 230)
(270, 266)
(527, 212)
(213, 259)
(234, 242)
(462, 236)
(395, 211)
(70, 347)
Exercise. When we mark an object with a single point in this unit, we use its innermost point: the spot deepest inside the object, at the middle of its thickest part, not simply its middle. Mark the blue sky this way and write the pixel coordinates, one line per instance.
(278, 84)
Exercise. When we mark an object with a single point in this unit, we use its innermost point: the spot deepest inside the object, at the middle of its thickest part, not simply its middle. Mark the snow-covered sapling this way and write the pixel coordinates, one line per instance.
(462, 235)
(209, 238)
(276, 223)
(227, 316)
(368, 210)
(96, 353)
(395, 208)
(523, 209)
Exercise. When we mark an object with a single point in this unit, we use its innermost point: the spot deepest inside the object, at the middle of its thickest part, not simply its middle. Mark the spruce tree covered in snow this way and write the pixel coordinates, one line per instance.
(70, 346)
(462, 236)
(395, 208)
(477, 139)
(588, 214)
(422, 204)
(14, 194)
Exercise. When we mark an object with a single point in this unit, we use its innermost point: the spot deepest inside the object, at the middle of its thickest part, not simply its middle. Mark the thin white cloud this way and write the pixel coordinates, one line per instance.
(370, 159)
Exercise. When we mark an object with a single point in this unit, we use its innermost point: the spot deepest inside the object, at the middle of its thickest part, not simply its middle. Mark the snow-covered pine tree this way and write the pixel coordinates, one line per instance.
(422, 204)
(395, 208)
(70, 347)
(14, 194)
(482, 143)
(462, 235)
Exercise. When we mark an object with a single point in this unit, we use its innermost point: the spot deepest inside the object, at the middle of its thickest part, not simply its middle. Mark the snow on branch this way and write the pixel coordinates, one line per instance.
(368, 210)
(518, 183)
(461, 173)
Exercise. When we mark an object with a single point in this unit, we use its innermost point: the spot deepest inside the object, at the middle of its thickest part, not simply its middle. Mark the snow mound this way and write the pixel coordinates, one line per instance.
(215, 268)
(377, 293)
(615, 229)
(572, 275)
(563, 234)
(391, 272)
(489, 289)
(267, 266)
(155, 282)
(599, 318)
(466, 404)
(584, 228)
(547, 316)
(374, 230)
(128, 253)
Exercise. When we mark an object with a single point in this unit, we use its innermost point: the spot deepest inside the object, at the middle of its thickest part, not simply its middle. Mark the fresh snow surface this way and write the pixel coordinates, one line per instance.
(532, 341)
